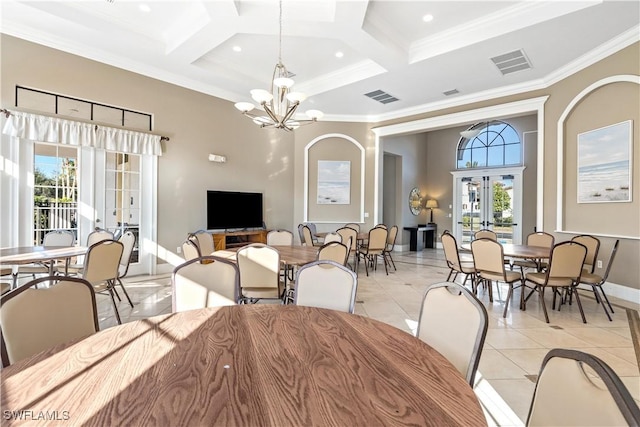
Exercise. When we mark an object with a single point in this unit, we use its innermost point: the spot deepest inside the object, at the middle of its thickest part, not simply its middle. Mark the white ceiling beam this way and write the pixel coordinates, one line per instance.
(504, 21)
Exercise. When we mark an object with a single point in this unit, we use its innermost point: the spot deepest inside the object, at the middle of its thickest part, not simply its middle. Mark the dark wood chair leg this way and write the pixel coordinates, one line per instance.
(544, 307)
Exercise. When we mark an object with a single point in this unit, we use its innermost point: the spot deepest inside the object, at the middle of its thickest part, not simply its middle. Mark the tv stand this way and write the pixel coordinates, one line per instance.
(234, 239)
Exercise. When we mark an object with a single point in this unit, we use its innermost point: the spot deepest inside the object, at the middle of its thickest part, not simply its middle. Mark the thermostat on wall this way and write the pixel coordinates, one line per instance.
(217, 158)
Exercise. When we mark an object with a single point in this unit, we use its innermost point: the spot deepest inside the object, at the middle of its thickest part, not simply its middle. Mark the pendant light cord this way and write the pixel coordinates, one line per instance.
(280, 37)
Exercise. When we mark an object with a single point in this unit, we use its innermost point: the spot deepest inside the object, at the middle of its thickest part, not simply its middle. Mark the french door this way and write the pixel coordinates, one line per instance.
(123, 198)
(488, 199)
(83, 188)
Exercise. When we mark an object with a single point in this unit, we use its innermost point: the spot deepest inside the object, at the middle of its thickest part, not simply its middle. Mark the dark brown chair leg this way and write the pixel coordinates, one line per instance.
(506, 303)
(584, 319)
(544, 307)
(595, 291)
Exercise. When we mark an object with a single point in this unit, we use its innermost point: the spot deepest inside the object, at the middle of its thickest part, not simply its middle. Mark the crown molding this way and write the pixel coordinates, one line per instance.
(603, 51)
(607, 49)
(364, 68)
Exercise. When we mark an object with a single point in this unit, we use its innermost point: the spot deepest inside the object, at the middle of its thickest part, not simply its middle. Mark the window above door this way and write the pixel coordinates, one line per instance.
(489, 144)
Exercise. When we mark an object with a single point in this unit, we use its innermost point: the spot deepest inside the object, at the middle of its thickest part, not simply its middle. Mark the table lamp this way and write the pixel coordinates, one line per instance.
(431, 204)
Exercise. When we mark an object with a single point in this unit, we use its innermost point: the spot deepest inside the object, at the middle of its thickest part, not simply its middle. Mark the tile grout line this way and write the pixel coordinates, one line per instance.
(634, 327)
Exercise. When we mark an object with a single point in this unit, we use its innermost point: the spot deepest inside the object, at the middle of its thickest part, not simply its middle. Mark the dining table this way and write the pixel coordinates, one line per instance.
(519, 251)
(247, 365)
(39, 254)
(360, 237)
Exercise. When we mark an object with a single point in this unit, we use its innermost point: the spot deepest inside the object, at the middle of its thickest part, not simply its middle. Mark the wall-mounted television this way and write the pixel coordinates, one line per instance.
(233, 209)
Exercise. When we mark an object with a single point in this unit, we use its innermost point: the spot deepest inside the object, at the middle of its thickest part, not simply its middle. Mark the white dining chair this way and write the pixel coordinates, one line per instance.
(97, 235)
(52, 238)
(204, 240)
(128, 240)
(279, 238)
(259, 266)
(190, 250)
(34, 319)
(454, 322)
(198, 284)
(326, 284)
(575, 388)
(101, 268)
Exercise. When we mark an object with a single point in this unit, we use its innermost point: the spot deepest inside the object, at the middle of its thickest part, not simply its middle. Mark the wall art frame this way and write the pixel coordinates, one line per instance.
(605, 164)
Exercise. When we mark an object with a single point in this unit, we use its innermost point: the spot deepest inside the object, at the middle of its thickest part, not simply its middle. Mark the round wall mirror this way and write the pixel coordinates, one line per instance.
(415, 201)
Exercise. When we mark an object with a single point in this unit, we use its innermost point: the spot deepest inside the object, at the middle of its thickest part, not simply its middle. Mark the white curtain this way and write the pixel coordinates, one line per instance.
(40, 128)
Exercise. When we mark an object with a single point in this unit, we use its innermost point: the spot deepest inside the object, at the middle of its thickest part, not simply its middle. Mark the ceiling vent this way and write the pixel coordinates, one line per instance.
(511, 62)
(451, 92)
(381, 96)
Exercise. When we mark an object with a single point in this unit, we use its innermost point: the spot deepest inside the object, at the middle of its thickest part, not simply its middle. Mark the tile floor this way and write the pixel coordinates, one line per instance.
(514, 346)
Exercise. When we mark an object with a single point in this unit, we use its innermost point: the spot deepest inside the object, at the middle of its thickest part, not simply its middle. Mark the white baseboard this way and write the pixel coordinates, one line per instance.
(623, 292)
(405, 248)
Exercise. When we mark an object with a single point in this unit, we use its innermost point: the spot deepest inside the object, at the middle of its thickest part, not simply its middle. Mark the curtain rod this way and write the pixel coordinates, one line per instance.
(8, 113)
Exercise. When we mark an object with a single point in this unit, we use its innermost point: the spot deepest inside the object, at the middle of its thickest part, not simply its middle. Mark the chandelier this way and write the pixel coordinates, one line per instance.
(280, 103)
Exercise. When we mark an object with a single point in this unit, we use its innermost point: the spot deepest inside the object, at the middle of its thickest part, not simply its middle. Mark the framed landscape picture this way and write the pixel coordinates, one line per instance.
(334, 182)
(605, 163)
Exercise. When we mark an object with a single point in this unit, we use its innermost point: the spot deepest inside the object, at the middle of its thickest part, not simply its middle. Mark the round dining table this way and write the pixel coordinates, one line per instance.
(247, 365)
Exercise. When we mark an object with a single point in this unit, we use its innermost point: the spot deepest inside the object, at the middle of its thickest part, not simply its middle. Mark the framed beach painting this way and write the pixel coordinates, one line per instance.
(334, 182)
(605, 163)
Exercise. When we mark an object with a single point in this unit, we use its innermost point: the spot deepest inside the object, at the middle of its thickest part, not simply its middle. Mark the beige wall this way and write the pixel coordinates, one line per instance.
(272, 162)
(626, 270)
(334, 148)
(342, 149)
(605, 106)
(392, 190)
(412, 150)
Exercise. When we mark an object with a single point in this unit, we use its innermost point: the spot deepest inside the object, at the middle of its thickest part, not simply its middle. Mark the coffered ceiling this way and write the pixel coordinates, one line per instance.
(226, 48)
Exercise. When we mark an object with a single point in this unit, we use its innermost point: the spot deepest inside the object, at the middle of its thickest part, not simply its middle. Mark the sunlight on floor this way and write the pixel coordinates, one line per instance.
(496, 410)
(413, 325)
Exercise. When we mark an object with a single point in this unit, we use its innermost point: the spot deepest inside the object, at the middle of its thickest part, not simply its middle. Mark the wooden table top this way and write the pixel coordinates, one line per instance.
(297, 255)
(251, 365)
(29, 254)
(519, 251)
(362, 235)
(294, 255)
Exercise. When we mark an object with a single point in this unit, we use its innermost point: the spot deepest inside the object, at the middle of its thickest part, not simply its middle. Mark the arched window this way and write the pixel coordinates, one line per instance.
(489, 144)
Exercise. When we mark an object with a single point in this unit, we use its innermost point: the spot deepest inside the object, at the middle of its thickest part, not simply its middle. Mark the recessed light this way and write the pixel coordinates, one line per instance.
(427, 18)
(339, 54)
(237, 49)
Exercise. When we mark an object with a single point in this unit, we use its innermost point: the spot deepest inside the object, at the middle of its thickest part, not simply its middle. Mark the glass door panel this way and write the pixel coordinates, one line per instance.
(501, 207)
(489, 201)
(55, 190)
(122, 196)
(471, 215)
